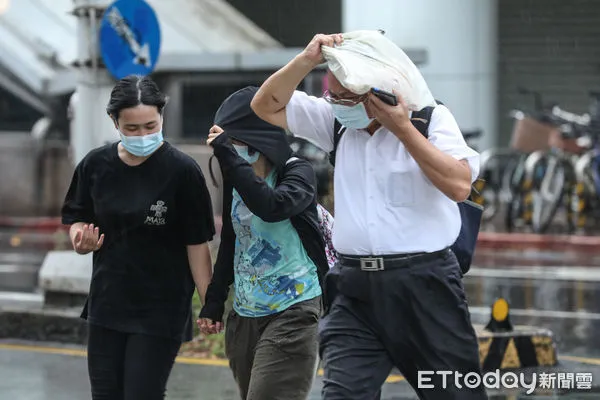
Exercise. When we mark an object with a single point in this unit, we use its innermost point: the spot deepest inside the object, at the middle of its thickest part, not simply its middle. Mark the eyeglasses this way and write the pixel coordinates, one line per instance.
(349, 102)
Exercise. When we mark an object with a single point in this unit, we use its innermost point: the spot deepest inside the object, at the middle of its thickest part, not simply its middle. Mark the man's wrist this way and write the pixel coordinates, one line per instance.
(404, 129)
(303, 62)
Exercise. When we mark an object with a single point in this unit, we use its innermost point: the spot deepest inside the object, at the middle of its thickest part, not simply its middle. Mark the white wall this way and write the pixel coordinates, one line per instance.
(460, 37)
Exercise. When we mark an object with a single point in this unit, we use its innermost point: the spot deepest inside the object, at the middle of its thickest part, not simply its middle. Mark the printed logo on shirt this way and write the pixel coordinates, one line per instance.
(159, 211)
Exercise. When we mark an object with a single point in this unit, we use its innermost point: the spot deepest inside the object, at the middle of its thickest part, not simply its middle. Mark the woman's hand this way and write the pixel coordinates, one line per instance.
(208, 327)
(85, 239)
(213, 132)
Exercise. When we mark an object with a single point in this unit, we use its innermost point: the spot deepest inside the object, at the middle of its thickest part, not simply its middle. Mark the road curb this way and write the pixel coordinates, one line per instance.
(40, 325)
(494, 240)
(44, 224)
(487, 240)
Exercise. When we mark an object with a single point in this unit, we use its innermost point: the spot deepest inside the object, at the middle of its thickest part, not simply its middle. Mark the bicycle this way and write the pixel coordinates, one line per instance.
(585, 197)
(550, 174)
(531, 133)
(489, 190)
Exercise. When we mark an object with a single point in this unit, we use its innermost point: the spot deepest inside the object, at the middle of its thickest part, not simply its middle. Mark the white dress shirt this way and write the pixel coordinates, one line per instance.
(384, 203)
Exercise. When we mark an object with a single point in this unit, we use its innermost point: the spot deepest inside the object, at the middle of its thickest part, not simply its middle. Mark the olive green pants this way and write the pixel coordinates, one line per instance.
(274, 357)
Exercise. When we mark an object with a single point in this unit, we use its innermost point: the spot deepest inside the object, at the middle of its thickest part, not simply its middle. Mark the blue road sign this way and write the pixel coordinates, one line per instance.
(129, 38)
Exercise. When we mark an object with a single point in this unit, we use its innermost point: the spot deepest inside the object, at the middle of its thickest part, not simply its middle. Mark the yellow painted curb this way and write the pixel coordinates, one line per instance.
(180, 360)
(222, 363)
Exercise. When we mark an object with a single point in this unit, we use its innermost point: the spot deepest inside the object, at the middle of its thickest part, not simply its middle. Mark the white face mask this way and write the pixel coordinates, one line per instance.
(243, 152)
(352, 116)
(142, 146)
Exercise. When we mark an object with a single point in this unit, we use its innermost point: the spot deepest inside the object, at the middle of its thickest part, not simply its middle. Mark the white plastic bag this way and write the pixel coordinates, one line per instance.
(368, 59)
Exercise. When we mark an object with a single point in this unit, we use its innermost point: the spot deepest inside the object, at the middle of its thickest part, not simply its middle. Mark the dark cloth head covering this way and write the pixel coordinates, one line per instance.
(240, 122)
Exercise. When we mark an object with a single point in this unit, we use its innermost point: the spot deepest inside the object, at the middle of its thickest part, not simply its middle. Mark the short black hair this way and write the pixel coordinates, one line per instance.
(132, 91)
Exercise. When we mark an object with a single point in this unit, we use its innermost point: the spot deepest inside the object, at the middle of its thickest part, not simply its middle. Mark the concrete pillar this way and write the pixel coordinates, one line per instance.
(173, 115)
(92, 128)
(65, 275)
(460, 37)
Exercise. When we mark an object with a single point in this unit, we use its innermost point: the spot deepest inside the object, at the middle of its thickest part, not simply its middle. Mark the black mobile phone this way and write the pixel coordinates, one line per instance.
(384, 96)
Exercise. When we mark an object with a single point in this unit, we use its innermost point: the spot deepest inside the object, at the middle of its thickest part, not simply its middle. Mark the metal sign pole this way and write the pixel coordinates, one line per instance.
(90, 126)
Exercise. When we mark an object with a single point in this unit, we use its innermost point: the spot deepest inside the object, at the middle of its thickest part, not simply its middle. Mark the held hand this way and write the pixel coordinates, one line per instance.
(312, 52)
(86, 239)
(394, 118)
(213, 132)
(208, 327)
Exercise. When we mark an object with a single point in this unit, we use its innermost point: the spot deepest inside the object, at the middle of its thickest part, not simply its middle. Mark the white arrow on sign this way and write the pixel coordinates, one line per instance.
(142, 53)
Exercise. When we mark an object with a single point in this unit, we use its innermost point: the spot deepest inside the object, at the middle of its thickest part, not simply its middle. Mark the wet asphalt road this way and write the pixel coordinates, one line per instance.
(27, 374)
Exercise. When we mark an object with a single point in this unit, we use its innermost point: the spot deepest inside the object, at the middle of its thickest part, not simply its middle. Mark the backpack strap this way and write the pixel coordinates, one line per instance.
(421, 119)
(338, 131)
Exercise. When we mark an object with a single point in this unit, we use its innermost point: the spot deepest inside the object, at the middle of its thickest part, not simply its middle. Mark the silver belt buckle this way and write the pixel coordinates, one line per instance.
(371, 264)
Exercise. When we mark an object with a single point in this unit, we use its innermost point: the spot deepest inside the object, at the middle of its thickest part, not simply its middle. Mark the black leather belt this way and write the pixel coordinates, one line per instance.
(393, 261)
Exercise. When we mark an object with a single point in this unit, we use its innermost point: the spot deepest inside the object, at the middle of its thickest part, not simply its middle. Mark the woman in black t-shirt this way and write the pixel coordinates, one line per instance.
(142, 207)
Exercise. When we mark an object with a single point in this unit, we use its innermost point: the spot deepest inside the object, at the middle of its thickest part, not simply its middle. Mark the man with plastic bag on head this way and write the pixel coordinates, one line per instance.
(367, 59)
(400, 300)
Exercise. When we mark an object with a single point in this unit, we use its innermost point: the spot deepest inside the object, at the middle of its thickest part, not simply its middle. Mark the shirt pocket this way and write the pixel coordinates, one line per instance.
(401, 190)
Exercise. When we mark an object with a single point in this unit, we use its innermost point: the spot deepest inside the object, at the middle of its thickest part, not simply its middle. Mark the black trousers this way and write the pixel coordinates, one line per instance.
(415, 318)
(124, 366)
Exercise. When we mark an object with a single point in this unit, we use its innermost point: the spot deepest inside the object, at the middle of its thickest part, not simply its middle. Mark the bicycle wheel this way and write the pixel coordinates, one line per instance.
(485, 193)
(512, 189)
(548, 197)
(579, 205)
(584, 197)
(514, 212)
(491, 202)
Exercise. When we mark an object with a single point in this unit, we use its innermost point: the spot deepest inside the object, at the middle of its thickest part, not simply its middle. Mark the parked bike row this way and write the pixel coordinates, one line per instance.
(550, 169)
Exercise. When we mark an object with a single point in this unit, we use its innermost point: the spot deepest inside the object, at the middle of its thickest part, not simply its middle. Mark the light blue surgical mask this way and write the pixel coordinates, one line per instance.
(142, 146)
(243, 152)
(352, 116)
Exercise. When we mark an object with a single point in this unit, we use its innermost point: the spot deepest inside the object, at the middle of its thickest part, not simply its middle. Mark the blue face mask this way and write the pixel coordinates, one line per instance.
(243, 152)
(352, 116)
(142, 146)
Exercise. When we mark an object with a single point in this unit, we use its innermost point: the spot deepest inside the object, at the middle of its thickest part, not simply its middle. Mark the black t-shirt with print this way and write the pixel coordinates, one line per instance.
(141, 280)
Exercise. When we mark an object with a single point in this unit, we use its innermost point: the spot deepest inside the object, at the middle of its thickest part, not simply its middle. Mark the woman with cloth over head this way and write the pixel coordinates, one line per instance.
(142, 207)
(273, 251)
